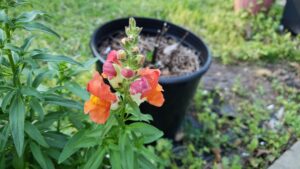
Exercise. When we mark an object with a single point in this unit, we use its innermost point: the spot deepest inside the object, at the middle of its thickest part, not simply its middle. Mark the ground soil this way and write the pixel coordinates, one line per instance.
(253, 78)
(173, 57)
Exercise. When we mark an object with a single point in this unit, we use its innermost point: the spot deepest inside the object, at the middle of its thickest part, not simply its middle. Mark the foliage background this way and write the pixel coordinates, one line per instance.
(230, 36)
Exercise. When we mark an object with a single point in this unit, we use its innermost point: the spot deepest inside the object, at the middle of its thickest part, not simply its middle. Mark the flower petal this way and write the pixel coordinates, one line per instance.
(97, 109)
(98, 88)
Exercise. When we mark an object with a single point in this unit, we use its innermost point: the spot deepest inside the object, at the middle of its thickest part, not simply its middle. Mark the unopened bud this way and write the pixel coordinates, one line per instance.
(135, 49)
(121, 54)
(141, 59)
(127, 72)
(130, 37)
(123, 41)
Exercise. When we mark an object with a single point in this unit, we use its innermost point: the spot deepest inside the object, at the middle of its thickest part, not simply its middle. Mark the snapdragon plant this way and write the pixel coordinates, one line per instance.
(120, 132)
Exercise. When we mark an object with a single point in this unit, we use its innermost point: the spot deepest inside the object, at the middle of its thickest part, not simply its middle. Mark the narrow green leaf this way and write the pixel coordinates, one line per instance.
(95, 160)
(2, 35)
(137, 114)
(82, 139)
(3, 16)
(144, 163)
(7, 100)
(54, 154)
(37, 107)
(27, 43)
(70, 148)
(58, 100)
(2, 161)
(115, 158)
(150, 155)
(49, 163)
(32, 26)
(90, 62)
(49, 119)
(77, 90)
(147, 131)
(30, 91)
(16, 121)
(28, 16)
(4, 137)
(5, 88)
(55, 139)
(55, 58)
(39, 78)
(35, 134)
(12, 47)
(18, 162)
(126, 151)
(38, 155)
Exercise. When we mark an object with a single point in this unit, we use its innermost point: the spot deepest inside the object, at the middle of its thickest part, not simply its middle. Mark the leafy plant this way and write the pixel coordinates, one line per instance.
(119, 141)
(31, 110)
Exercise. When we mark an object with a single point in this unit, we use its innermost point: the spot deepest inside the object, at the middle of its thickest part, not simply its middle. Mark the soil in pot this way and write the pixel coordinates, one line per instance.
(173, 57)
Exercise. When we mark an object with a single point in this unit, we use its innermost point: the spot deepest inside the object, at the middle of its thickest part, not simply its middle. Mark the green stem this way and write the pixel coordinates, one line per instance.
(58, 125)
(16, 79)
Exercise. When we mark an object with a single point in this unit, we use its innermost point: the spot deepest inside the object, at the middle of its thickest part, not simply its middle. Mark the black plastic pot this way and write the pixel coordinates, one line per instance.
(178, 91)
(291, 16)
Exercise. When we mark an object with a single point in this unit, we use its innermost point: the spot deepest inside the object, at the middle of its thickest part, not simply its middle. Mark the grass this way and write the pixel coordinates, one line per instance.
(232, 38)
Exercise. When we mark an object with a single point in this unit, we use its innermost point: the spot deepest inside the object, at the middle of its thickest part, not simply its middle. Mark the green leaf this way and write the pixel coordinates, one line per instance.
(3, 16)
(90, 62)
(126, 151)
(145, 163)
(6, 88)
(150, 155)
(38, 155)
(2, 35)
(12, 47)
(49, 119)
(39, 78)
(49, 163)
(253, 144)
(30, 91)
(35, 134)
(55, 139)
(36, 106)
(16, 121)
(59, 100)
(28, 16)
(70, 148)
(32, 26)
(114, 157)
(55, 58)
(27, 43)
(95, 160)
(77, 90)
(137, 114)
(2, 161)
(7, 100)
(146, 131)
(18, 162)
(4, 136)
(82, 139)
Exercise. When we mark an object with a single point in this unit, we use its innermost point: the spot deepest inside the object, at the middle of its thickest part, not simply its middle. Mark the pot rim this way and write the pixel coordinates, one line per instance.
(162, 80)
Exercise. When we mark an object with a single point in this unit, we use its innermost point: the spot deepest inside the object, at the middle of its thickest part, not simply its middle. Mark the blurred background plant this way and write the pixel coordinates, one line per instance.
(231, 36)
(35, 93)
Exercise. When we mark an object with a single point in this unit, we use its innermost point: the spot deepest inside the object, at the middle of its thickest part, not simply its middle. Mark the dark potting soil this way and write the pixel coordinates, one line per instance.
(173, 57)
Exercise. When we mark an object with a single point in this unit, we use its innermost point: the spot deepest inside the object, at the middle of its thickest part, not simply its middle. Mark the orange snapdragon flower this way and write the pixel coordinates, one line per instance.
(148, 87)
(98, 106)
